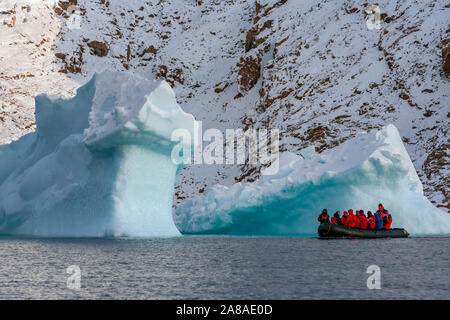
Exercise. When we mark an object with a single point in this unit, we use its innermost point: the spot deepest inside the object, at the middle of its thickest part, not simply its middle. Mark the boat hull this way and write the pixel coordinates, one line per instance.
(327, 230)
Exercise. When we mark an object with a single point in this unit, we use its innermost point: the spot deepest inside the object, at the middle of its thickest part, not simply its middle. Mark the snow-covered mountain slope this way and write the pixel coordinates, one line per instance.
(314, 70)
(28, 66)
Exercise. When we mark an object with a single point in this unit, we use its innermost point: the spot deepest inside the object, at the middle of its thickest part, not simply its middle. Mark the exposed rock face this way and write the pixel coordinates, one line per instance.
(446, 55)
(171, 75)
(60, 55)
(63, 6)
(66, 4)
(74, 63)
(150, 49)
(304, 70)
(249, 72)
(99, 48)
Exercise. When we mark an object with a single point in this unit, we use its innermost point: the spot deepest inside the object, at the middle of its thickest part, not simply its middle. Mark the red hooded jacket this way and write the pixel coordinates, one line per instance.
(362, 221)
(371, 222)
(351, 219)
(344, 218)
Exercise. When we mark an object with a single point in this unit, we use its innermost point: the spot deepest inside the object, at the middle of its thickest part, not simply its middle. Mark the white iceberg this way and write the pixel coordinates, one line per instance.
(360, 173)
(99, 164)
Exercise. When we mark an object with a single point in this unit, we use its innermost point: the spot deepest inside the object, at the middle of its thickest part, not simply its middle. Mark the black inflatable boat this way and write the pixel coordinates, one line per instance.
(327, 230)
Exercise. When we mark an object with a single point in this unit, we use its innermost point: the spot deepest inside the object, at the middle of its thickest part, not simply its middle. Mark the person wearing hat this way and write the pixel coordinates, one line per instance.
(351, 219)
(379, 217)
(386, 216)
(336, 218)
(357, 219)
(324, 218)
(362, 220)
(370, 220)
(345, 218)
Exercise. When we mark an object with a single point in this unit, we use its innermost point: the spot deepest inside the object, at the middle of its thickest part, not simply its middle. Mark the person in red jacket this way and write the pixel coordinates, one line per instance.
(381, 210)
(357, 219)
(323, 218)
(370, 220)
(387, 220)
(385, 215)
(345, 218)
(351, 219)
(362, 220)
(336, 219)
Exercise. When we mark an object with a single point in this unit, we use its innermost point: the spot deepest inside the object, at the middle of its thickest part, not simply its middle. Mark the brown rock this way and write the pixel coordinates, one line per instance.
(446, 55)
(73, 69)
(220, 87)
(428, 113)
(249, 72)
(12, 11)
(171, 75)
(98, 48)
(352, 10)
(162, 71)
(250, 40)
(404, 96)
(58, 11)
(66, 4)
(150, 49)
(60, 55)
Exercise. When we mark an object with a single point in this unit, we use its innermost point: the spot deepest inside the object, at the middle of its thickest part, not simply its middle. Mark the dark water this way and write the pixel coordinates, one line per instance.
(225, 268)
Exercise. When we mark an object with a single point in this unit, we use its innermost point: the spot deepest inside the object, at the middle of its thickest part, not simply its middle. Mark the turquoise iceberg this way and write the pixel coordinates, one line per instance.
(99, 164)
(371, 168)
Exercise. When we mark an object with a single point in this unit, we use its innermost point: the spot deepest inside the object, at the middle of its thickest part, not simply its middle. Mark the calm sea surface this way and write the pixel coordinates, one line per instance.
(207, 267)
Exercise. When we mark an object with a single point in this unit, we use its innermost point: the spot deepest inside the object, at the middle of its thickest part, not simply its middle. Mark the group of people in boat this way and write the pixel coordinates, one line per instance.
(381, 219)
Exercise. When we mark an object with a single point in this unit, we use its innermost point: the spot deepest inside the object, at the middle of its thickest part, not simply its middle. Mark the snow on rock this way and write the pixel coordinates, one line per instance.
(370, 168)
(99, 164)
(28, 65)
